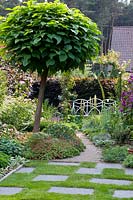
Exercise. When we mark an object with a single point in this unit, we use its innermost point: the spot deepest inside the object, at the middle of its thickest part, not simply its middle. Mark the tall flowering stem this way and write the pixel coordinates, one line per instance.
(127, 100)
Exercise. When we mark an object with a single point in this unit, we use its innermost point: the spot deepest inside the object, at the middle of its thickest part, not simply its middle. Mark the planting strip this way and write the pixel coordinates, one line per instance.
(11, 172)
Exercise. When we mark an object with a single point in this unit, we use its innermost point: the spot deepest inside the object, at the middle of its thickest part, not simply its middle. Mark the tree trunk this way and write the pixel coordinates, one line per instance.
(40, 101)
(111, 32)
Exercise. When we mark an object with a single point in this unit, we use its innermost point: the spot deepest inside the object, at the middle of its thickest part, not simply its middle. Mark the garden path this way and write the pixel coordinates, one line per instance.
(91, 153)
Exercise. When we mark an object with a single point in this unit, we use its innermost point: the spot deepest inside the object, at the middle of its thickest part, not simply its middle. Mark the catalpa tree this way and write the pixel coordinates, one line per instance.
(48, 37)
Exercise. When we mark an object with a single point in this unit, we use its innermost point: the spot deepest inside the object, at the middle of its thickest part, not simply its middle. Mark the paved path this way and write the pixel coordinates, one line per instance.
(91, 153)
(77, 190)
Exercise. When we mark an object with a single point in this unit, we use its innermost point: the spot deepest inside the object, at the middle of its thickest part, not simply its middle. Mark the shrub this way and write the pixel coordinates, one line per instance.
(62, 131)
(43, 147)
(103, 140)
(92, 125)
(4, 160)
(114, 124)
(128, 162)
(109, 121)
(115, 154)
(75, 119)
(17, 112)
(10, 147)
(88, 87)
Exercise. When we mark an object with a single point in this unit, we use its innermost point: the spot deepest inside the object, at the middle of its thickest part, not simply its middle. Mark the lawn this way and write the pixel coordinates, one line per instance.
(38, 190)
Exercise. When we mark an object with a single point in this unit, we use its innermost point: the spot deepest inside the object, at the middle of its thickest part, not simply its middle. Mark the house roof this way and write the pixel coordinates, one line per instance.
(122, 41)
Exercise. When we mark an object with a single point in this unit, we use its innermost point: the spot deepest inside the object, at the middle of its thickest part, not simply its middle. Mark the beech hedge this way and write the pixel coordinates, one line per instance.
(84, 87)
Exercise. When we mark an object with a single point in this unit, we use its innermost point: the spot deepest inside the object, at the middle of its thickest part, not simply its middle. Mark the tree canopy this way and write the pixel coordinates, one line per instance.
(51, 35)
(48, 37)
(106, 13)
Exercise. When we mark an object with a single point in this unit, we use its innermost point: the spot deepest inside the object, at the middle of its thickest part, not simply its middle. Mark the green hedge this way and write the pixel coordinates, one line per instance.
(84, 87)
(88, 87)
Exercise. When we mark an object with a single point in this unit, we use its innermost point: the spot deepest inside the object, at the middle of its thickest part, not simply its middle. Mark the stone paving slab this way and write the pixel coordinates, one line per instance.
(109, 165)
(25, 170)
(110, 181)
(10, 190)
(50, 178)
(128, 171)
(89, 171)
(123, 194)
(64, 163)
(65, 190)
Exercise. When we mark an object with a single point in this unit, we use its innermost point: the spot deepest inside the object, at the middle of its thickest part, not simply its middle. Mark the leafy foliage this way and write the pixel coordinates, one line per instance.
(128, 162)
(103, 140)
(64, 132)
(3, 86)
(126, 106)
(45, 147)
(4, 159)
(40, 35)
(59, 130)
(47, 37)
(115, 154)
(84, 88)
(10, 147)
(67, 83)
(49, 109)
(110, 121)
(13, 163)
(17, 112)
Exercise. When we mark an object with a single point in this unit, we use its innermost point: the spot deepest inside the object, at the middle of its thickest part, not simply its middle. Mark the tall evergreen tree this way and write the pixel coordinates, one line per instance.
(126, 19)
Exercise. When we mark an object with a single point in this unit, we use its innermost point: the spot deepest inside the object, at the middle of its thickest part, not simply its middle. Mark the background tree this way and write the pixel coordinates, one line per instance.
(105, 13)
(126, 19)
(7, 4)
(48, 37)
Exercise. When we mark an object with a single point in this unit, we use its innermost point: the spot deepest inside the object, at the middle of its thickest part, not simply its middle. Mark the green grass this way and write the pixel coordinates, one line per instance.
(38, 190)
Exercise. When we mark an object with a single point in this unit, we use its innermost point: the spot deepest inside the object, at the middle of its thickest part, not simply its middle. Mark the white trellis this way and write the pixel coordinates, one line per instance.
(86, 107)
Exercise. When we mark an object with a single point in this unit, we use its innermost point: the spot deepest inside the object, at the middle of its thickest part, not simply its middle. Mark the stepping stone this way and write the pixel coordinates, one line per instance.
(64, 163)
(50, 178)
(123, 194)
(89, 171)
(110, 181)
(109, 165)
(10, 190)
(129, 171)
(25, 170)
(66, 190)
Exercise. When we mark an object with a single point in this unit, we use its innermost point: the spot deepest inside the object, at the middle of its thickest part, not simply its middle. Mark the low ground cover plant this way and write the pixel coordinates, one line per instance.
(103, 140)
(109, 131)
(10, 164)
(109, 121)
(43, 147)
(10, 147)
(92, 125)
(55, 141)
(115, 154)
(128, 161)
